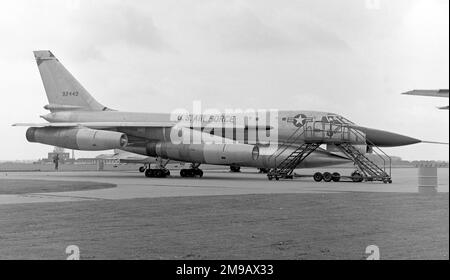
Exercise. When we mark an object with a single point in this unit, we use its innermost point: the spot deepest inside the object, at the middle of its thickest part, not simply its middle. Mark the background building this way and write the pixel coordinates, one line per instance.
(64, 157)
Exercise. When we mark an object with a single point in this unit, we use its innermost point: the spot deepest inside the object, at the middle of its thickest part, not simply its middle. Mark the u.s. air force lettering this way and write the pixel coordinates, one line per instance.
(207, 118)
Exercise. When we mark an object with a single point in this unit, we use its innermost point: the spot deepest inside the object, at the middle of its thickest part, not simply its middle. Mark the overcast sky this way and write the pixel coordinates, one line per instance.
(351, 57)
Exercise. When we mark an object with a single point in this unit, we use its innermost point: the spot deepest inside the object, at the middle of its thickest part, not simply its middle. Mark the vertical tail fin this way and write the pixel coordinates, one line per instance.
(63, 91)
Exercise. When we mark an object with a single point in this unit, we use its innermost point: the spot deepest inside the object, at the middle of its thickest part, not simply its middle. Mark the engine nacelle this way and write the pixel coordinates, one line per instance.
(221, 154)
(77, 138)
(230, 153)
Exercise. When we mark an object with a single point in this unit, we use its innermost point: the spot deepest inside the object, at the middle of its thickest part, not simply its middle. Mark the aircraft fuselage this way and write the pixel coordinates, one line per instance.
(267, 132)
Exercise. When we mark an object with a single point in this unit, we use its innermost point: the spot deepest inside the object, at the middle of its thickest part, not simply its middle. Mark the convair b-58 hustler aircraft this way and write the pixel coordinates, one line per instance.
(277, 141)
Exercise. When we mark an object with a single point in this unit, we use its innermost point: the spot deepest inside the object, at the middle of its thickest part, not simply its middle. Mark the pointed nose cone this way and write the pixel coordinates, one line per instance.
(382, 138)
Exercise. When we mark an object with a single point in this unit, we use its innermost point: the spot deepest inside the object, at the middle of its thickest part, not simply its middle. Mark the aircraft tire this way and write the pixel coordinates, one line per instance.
(318, 176)
(142, 169)
(149, 173)
(191, 172)
(183, 173)
(198, 172)
(158, 173)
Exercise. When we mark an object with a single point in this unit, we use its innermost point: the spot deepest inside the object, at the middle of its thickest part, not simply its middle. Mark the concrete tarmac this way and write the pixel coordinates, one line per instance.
(220, 216)
(132, 184)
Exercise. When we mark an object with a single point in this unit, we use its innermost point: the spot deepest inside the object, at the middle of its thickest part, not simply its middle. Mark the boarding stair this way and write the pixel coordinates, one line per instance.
(286, 166)
(370, 170)
(314, 133)
(344, 136)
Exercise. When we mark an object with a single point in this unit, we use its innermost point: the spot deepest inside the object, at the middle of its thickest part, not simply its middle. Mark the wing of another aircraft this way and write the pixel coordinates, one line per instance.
(430, 92)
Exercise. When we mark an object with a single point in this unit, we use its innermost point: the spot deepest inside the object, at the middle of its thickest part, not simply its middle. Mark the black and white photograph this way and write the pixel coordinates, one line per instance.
(224, 137)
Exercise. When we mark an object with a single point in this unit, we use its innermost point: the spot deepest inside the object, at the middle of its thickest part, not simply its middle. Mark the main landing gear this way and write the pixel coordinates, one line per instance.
(157, 173)
(192, 172)
(162, 172)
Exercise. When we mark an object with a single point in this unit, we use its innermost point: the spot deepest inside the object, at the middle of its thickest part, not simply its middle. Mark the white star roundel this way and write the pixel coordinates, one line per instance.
(299, 120)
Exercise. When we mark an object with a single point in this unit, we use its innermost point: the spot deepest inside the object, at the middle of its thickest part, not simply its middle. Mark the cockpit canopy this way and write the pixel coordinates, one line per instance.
(335, 119)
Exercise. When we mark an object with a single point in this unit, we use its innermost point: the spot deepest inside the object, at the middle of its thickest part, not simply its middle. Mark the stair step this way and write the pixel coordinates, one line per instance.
(287, 166)
(368, 167)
